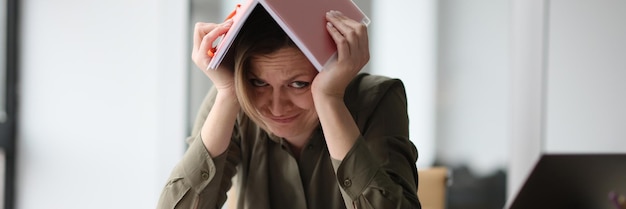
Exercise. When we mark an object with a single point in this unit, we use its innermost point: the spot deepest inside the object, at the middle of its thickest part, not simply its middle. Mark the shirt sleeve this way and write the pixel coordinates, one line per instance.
(200, 180)
(379, 171)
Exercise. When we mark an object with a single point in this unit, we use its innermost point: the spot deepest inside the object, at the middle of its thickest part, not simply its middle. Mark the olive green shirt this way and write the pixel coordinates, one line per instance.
(379, 171)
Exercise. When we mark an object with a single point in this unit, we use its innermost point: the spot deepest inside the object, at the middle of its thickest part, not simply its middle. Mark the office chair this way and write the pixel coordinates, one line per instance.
(431, 190)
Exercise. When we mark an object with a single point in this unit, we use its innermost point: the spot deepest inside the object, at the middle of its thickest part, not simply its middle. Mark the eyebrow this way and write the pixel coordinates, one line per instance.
(289, 79)
(296, 75)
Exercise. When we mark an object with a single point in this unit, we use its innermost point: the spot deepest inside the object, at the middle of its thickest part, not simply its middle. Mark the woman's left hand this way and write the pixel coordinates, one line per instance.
(352, 54)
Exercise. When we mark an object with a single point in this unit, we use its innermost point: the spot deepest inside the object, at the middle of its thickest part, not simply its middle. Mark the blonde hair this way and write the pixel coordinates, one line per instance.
(260, 35)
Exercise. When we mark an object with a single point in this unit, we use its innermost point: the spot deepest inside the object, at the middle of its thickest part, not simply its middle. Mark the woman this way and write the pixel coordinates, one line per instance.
(295, 138)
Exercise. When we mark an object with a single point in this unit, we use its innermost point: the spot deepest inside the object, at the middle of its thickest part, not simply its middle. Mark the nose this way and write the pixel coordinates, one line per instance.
(279, 102)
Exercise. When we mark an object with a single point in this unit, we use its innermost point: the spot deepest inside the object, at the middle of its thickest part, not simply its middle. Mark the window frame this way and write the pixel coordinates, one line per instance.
(8, 126)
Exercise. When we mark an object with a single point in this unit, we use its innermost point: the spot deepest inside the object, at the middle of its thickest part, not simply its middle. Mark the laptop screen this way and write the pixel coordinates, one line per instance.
(573, 181)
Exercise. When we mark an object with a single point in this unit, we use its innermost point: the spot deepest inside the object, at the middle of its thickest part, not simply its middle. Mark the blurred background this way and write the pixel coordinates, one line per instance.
(97, 97)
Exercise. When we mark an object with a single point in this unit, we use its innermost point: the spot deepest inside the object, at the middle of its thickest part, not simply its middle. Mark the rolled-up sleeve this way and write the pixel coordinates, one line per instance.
(200, 180)
(367, 183)
(191, 177)
(379, 171)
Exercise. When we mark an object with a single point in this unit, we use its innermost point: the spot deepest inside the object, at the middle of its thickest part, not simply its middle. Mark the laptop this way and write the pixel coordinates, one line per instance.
(573, 181)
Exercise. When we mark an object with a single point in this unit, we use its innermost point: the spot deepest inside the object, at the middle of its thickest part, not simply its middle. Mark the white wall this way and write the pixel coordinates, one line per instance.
(586, 77)
(102, 91)
(473, 84)
(568, 63)
(199, 83)
(404, 48)
(527, 90)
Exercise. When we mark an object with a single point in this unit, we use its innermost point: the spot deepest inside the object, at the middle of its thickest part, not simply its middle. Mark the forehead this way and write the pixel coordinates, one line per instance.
(285, 61)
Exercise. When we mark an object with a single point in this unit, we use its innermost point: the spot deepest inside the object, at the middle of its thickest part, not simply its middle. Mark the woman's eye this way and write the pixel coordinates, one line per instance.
(299, 84)
(257, 83)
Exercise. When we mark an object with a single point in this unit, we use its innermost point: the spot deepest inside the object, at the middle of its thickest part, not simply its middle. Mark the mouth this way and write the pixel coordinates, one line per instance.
(283, 120)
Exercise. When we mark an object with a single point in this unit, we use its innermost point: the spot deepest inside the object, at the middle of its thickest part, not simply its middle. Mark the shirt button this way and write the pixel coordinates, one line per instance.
(310, 146)
(347, 183)
(205, 176)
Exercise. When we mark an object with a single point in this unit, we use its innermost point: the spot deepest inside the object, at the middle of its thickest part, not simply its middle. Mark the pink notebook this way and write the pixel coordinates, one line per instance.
(304, 21)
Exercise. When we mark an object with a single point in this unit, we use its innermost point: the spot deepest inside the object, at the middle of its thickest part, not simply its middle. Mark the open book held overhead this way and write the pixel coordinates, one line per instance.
(302, 20)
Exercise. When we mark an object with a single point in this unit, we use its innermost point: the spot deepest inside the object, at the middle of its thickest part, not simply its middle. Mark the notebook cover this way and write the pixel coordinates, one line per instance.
(242, 13)
(304, 21)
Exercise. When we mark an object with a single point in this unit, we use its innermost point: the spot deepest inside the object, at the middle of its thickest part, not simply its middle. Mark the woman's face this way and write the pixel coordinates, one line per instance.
(281, 88)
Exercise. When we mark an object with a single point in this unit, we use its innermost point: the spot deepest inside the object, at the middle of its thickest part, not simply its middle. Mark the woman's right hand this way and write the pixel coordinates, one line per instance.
(204, 36)
(217, 128)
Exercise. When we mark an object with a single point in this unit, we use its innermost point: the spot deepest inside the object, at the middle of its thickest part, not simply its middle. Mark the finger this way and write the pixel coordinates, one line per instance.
(348, 21)
(199, 31)
(355, 32)
(343, 23)
(343, 48)
(202, 29)
(351, 39)
(341, 17)
(207, 40)
(360, 30)
(362, 38)
(351, 30)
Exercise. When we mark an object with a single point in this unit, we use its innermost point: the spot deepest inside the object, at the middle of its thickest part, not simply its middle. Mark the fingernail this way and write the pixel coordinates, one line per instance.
(228, 23)
(336, 13)
(331, 13)
(330, 25)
